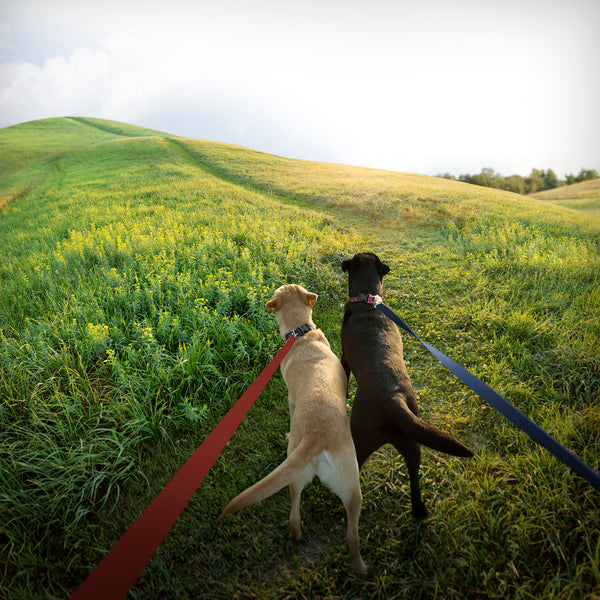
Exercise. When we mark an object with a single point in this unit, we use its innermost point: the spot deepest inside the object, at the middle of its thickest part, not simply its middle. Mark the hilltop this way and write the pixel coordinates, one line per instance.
(27, 143)
(134, 269)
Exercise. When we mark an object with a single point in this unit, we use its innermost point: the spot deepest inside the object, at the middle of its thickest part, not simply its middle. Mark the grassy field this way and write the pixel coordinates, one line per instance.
(583, 196)
(134, 270)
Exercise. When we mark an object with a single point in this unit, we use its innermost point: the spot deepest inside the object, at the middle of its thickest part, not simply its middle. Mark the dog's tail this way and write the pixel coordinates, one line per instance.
(280, 477)
(425, 433)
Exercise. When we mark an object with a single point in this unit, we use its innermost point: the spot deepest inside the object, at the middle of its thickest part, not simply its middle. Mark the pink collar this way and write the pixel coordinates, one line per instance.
(375, 300)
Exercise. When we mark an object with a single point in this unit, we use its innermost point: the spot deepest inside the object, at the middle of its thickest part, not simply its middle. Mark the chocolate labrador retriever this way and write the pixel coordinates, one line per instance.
(385, 407)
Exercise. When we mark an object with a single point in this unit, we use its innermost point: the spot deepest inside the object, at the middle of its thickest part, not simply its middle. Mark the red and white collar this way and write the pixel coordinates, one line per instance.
(368, 298)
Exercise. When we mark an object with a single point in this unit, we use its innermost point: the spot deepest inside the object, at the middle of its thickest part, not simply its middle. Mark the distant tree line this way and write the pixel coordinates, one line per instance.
(538, 180)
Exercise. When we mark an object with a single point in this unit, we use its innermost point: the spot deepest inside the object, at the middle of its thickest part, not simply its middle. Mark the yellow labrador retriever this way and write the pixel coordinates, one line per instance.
(320, 442)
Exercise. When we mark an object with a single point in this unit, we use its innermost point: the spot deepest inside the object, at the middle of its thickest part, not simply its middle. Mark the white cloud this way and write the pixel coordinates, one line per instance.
(61, 86)
(423, 86)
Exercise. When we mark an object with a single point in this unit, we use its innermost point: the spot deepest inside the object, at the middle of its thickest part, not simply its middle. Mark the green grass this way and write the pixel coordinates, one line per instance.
(583, 196)
(134, 270)
(24, 144)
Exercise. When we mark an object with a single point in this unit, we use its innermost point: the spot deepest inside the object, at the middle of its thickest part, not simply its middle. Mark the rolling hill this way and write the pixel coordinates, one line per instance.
(584, 196)
(134, 268)
(22, 145)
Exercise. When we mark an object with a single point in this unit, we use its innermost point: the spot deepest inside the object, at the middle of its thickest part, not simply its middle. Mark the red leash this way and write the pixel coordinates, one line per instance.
(119, 569)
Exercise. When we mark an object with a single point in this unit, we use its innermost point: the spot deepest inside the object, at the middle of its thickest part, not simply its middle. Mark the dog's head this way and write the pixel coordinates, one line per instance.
(365, 273)
(292, 306)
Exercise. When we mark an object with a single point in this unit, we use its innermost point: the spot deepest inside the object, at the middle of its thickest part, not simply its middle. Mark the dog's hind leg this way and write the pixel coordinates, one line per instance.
(411, 452)
(352, 506)
(365, 445)
(295, 519)
(366, 434)
(343, 481)
(296, 488)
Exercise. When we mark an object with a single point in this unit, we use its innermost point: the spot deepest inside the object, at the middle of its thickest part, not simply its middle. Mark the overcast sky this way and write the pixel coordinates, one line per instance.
(423, 86)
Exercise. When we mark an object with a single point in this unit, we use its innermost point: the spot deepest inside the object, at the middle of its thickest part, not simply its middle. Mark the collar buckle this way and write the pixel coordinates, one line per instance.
(299, 331)
(368, 298)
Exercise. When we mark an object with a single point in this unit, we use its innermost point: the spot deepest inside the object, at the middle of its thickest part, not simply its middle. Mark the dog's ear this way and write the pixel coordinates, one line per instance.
(272, 305)
(308, 297)
(382, 268)
(346, 264)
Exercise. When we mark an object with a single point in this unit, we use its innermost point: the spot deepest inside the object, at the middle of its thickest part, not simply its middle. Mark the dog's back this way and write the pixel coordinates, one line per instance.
(372, 345)
(319, 426)
(315, 375)
(385, 403)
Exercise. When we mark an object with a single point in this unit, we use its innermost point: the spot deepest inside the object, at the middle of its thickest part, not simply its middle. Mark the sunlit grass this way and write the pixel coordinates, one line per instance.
(583, 196)
(131, 304)
(133, 276)
(25, 144)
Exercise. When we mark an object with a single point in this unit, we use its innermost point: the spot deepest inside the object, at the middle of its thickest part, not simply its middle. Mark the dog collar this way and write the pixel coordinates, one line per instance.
(368, 298)
(299, 331)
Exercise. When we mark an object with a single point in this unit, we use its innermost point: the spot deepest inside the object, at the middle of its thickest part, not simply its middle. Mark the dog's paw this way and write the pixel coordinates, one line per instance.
(420, 511)
(361, 569)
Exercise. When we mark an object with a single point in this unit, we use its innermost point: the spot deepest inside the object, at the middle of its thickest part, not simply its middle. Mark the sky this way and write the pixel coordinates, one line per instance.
(421, 86)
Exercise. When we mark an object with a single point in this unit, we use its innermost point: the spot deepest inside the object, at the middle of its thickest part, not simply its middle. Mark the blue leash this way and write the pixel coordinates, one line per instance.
(514, 415)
